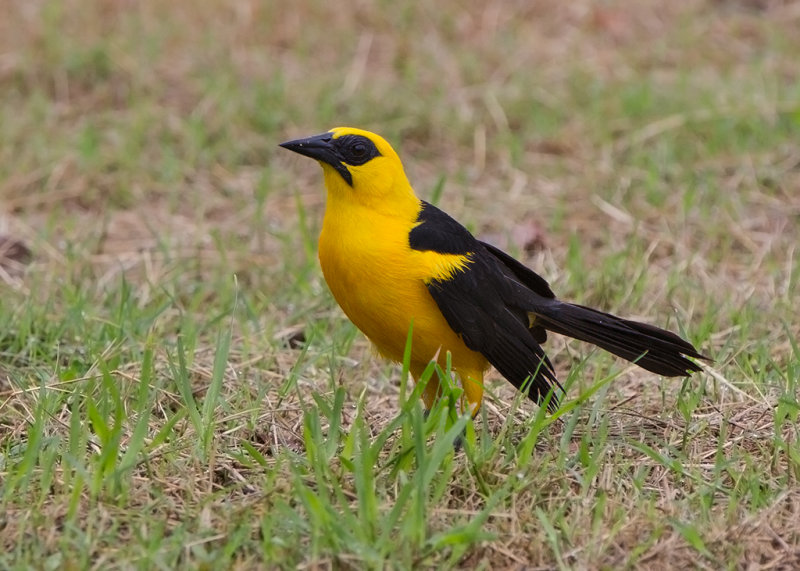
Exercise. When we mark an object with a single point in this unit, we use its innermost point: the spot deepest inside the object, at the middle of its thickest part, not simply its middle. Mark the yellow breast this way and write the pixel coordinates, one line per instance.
(379, 282)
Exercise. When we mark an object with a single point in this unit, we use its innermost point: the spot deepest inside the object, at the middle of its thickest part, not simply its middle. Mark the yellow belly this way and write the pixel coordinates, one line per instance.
(380, 284)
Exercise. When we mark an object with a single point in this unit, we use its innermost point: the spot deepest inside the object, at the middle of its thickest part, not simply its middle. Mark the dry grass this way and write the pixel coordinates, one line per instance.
(169, 347)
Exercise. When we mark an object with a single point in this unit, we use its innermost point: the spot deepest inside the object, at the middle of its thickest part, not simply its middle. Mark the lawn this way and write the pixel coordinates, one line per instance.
(178, 388)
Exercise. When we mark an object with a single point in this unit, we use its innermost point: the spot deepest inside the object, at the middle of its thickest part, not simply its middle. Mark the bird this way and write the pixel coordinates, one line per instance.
(396, 263)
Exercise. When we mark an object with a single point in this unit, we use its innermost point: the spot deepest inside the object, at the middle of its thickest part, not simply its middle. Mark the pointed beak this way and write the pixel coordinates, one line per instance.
(321, 148)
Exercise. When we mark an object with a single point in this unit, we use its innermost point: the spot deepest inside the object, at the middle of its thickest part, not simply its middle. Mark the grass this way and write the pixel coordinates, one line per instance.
(178, 388)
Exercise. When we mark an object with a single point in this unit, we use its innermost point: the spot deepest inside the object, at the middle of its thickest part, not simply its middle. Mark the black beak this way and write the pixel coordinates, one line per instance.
(321, 148)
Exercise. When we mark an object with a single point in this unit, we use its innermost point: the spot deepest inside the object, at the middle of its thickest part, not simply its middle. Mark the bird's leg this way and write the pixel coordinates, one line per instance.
(472, 383)
(432, 392)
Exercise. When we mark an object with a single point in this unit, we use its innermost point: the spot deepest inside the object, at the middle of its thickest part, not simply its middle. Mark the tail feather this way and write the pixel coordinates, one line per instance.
(650, 347)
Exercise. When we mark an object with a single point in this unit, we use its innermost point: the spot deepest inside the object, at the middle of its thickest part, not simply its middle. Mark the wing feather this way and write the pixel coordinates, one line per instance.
(475, 303)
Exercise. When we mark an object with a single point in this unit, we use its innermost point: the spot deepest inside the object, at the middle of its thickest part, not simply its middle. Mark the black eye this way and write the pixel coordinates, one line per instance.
(358, 150)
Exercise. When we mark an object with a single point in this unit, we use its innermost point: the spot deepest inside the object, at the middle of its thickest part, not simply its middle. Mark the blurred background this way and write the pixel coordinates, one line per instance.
(643, 156)
(138, 134)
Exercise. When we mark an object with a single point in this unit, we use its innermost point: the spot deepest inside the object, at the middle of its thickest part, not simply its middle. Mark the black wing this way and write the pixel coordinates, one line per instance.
(479, 303)
(525, 277)
(491, 302)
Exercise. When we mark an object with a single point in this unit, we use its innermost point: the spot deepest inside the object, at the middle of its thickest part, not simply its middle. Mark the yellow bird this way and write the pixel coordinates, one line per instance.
(393, 260)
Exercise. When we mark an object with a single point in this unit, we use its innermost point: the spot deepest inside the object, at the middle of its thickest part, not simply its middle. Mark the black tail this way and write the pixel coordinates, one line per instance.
(651, 348)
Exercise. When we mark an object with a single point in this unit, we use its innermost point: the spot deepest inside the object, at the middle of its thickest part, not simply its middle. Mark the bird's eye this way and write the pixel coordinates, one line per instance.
(358, 150)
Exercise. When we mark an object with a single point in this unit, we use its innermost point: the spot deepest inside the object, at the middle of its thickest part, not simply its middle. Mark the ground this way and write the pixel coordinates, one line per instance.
(179, 389)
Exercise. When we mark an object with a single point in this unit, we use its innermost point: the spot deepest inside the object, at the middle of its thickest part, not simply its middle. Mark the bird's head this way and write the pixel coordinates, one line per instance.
(357, 164)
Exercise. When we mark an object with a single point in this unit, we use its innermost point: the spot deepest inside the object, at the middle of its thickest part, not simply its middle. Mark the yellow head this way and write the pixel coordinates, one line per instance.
(358, 166)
